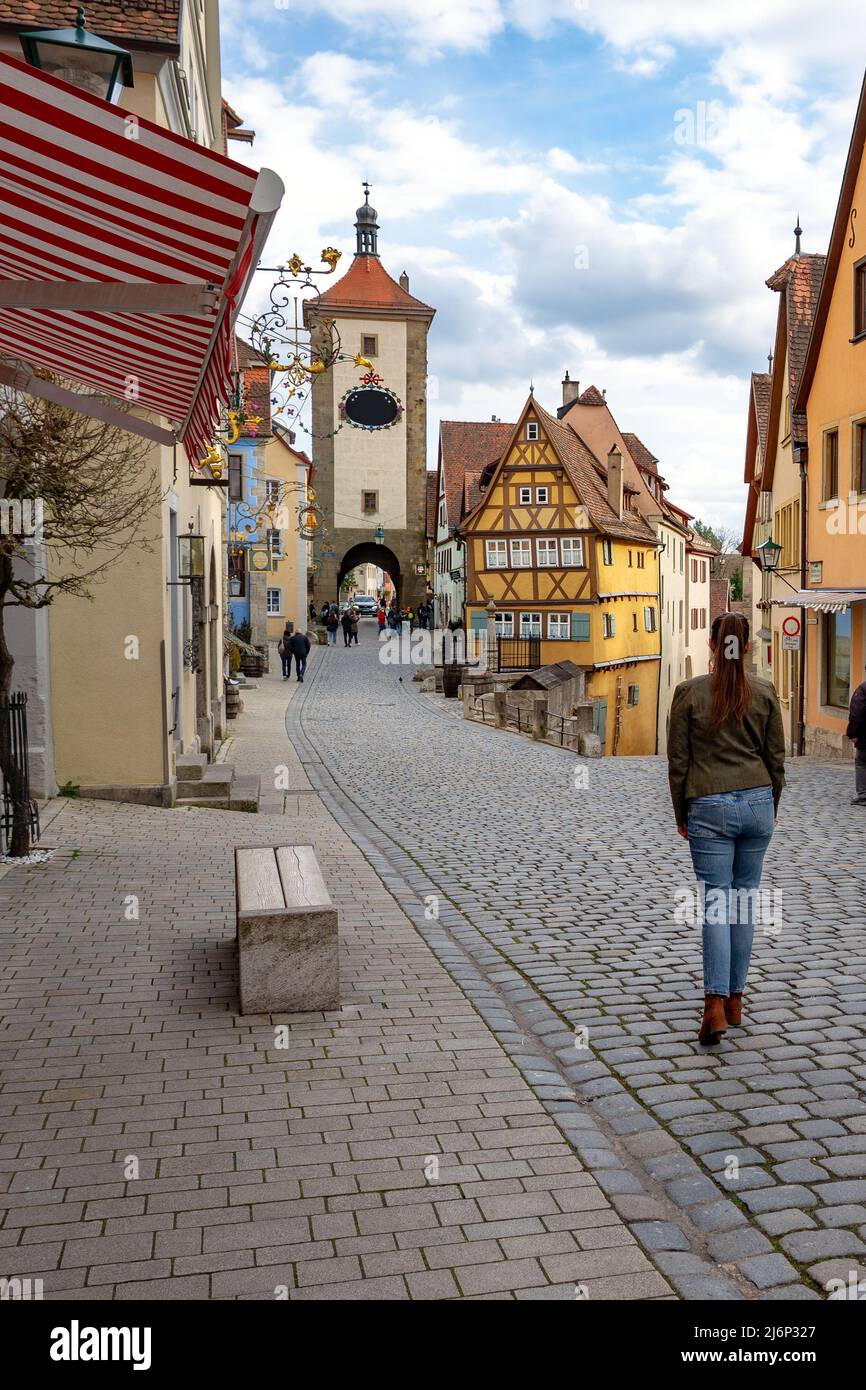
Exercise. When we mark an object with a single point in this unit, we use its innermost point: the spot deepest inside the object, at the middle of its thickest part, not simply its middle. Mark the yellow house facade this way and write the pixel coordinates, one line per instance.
(554, 543)
(833, 395)
(286, 475)
(119, 687)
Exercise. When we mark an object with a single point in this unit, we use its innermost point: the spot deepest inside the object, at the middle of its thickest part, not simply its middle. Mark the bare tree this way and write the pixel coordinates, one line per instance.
(75, 493)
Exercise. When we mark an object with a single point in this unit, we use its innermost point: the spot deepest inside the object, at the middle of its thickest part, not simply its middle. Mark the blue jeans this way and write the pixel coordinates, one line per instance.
(332, 637)
(728, 838)
(300, 666)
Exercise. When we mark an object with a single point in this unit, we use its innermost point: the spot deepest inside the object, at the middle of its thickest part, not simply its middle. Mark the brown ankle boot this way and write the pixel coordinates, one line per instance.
(714, 1023)
(734, 1009)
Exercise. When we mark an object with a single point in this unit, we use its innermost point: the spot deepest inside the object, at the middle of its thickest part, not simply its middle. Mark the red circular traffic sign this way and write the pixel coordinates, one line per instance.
(791, 626)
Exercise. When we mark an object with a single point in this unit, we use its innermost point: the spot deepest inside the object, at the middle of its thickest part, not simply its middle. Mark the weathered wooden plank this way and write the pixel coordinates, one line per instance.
(301, 877)
(259, 885)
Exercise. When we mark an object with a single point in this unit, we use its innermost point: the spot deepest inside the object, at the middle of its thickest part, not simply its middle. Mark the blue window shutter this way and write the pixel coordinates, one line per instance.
(612, 625)
(478, 622)
(580, 627)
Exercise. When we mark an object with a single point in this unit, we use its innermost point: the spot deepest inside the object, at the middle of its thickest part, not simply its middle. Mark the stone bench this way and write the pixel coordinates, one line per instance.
(287, 932)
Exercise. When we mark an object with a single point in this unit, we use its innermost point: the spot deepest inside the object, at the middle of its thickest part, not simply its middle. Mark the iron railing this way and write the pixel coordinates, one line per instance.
(18, 804)
(518, 653)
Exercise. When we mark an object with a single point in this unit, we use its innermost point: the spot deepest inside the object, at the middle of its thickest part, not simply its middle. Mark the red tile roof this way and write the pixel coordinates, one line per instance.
(591, 396)
(367, 285)
(640, 453)
(431, 499)
(762, 384)
(129, 24)
(800, 277)
(467, 446)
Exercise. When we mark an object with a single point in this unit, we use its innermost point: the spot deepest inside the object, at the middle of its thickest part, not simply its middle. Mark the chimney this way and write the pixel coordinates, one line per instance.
(570, 390)
(614, 480)
(404, 281)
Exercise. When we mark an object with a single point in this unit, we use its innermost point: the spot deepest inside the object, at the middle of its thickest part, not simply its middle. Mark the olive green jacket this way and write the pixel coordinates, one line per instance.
(703, 761)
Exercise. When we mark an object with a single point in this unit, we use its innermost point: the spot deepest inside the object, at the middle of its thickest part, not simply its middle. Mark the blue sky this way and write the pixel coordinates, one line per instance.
(598, 187)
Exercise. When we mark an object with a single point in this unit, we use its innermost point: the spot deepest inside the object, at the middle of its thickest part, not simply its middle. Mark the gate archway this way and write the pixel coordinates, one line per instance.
(369, 553)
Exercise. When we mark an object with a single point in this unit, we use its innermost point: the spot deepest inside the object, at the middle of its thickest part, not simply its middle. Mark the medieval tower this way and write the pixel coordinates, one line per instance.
(370, 483)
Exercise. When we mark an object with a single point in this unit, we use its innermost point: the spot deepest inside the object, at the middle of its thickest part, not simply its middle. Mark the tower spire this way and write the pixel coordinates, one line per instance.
(798, 232)
(366, 226)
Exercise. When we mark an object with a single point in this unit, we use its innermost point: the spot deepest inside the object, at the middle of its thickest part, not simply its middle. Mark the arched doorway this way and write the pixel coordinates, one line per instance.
(368, 553)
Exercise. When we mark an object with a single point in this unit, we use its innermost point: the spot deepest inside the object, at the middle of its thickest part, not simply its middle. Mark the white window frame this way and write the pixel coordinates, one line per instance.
(272, 489)
(547, 552)
(278, 611)
(532, 627)
(650, 618)
(521, 554)
(608, 625)
(496, 555)
(572, 545)
(607, 551)
(538, 497)
(275, 542)
(559, 627)
(532, 430)
(525, 496)
(504, 624)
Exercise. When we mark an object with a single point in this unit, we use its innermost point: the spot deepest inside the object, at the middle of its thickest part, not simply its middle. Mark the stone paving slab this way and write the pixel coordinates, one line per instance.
(156, 1145)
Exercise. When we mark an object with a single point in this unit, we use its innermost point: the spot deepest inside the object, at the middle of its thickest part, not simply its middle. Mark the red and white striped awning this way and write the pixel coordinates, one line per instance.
(125, 254)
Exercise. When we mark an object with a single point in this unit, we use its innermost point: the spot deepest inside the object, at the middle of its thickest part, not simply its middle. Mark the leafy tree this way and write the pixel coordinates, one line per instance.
(76, 493)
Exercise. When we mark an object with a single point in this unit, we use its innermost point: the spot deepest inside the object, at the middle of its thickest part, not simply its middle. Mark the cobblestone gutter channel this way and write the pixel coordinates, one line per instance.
(698, 1237)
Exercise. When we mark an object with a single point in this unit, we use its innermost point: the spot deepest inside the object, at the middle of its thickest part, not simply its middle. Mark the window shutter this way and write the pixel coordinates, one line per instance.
(580, 627)
(478, 622)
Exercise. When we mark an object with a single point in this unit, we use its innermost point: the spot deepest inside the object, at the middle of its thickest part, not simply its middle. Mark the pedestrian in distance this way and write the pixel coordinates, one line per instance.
(313, 612)
(381, 621)
(299, 648)
(326, 608)
(726, 767)
(856, 731)
(355, 618)
(346, 624)
(283, 647)
(332, 622)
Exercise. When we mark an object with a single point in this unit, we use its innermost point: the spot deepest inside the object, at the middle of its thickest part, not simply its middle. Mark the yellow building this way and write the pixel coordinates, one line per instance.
(555, 542)
(286, 473)
(833, 395)
(121, 686)
(775, 430)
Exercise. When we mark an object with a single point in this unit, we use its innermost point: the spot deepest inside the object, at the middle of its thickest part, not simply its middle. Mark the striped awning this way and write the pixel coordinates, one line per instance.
(822, 600)
(125, 254)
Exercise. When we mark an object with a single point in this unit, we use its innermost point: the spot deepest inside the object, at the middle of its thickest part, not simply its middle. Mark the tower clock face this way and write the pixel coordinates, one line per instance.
(371, 408)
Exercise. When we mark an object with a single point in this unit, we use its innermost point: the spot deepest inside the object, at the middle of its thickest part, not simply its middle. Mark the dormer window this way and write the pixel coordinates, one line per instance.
(532, 429)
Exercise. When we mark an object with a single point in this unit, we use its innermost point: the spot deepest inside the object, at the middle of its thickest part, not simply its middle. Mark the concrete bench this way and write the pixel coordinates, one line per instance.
(287, 932)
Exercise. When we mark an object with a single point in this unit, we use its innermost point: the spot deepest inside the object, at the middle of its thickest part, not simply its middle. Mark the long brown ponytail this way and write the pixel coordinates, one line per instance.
(729, 683)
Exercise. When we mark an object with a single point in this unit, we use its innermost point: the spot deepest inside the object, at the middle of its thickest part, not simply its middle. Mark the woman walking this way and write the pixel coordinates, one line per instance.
(332, 622)
(726, 767)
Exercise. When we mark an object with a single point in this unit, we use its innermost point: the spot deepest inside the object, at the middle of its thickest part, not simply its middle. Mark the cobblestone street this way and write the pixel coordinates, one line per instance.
(440, 1136)
(556, 912)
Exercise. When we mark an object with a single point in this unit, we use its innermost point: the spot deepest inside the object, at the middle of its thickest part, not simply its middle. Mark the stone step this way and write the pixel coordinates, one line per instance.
(190, 766)
(244, 793)
(215, 782)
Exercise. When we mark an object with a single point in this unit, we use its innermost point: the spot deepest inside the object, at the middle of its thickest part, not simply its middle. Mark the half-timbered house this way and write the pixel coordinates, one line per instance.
(555, 541)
